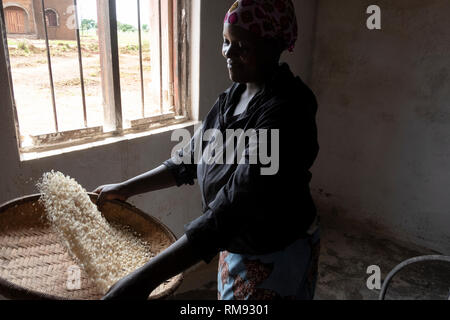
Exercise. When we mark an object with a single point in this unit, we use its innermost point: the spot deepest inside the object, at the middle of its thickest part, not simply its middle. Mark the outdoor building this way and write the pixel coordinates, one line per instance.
(24, 18)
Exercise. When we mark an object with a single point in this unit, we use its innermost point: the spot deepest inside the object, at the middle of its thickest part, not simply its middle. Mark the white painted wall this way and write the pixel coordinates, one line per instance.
(384, 118)
(119, 161)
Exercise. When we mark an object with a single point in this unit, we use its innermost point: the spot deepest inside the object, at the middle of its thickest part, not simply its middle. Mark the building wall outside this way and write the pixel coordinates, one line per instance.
(28, 7)
(33, 8)
(66, 28)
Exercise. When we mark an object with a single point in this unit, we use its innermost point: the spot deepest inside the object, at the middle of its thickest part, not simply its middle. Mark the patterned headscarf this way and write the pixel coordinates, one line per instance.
(273, 19)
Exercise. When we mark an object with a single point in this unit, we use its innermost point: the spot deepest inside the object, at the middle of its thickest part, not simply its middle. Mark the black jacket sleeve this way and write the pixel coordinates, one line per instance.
(183, 164)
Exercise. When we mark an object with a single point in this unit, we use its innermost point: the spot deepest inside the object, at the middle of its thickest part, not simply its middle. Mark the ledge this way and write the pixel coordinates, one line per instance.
(30, 156)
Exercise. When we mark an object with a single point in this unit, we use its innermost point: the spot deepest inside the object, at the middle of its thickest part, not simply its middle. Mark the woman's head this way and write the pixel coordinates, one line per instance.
(256, 32)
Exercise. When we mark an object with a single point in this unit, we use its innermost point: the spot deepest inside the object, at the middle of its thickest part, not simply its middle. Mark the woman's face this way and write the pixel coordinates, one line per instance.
(247, 55)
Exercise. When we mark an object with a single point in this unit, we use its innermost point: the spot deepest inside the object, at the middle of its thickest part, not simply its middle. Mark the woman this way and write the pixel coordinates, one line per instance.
(264, 225)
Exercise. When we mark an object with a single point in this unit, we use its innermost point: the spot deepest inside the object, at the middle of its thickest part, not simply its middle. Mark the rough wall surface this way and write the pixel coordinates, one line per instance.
(384, 116)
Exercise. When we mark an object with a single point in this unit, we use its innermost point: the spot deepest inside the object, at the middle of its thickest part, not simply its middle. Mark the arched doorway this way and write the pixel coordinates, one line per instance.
(16, 20)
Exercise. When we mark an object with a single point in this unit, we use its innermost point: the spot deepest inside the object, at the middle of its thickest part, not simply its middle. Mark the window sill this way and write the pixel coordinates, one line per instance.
(30, 156)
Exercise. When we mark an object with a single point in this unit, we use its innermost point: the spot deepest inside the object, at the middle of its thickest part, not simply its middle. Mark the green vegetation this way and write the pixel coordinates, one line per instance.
(75, 82)
(131, 48)
(127, 39)
(12, 42)
(91, 47)
(88, 24)
(23, 46)
(64, 46)
(128, 44)
(124, 27)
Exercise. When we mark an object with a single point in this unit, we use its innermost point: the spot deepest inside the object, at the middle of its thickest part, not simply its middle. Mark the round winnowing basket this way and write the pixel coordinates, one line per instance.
(34, 264)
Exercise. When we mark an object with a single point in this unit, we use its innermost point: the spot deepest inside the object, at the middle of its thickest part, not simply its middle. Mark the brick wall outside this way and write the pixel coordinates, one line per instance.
(35, 22)
(65, 17)
(28, 7)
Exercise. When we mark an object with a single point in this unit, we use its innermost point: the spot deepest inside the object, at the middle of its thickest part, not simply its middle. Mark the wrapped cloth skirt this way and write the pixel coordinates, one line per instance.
(287, 274)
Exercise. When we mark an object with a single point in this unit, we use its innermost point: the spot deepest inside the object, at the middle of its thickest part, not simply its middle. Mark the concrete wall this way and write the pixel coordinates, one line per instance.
(384, 117)
(119, 161)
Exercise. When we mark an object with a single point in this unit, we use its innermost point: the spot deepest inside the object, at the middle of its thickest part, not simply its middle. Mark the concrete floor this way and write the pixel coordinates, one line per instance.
(347, 249)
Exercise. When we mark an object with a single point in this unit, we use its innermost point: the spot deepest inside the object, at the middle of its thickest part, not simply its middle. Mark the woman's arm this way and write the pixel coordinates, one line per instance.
(139, 284)
(172, 261)
(156, 179)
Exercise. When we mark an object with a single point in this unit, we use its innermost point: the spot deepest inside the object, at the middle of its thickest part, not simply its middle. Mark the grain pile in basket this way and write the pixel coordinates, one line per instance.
(105, 251)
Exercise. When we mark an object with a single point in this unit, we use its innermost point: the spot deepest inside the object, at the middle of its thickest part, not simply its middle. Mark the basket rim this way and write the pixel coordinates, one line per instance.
(14, 291)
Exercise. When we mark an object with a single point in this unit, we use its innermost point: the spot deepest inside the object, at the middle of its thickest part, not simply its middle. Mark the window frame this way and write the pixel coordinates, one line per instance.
(56, 17)
(113, 122)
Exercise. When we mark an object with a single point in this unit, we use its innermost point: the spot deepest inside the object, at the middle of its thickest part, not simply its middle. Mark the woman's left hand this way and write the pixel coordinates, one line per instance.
(132, 287)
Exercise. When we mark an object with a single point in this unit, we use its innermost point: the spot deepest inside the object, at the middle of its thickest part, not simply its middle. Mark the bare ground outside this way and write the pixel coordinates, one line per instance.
(32, 88)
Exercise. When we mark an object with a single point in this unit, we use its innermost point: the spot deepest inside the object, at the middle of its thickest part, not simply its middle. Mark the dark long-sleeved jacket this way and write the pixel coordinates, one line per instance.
(245, 211)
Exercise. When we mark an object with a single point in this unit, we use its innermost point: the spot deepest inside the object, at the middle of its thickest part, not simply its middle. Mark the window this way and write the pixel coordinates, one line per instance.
(111, 67)
(51, 18)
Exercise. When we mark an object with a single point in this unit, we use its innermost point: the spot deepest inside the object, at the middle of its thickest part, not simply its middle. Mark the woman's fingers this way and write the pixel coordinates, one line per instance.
(101, 200)
(108, 192)
(100, 196)
(98, 190)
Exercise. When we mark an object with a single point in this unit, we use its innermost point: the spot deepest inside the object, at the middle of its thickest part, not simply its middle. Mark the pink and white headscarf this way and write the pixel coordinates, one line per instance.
(273, 19)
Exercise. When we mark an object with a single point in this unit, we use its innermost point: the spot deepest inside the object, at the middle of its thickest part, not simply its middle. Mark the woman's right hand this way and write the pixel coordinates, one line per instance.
(110, 192)
(156, 179)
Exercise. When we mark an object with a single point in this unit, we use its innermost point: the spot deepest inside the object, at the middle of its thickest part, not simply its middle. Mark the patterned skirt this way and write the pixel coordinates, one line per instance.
(287, 274)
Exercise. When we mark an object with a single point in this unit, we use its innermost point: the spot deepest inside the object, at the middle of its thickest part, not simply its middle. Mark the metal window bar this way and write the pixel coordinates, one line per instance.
(4, 40)
(80, 63)
(110, 5)
(140, 58)
(49, 63)
(160, 59)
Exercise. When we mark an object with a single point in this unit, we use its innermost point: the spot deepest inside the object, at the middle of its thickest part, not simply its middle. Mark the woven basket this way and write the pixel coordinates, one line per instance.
(34, 264)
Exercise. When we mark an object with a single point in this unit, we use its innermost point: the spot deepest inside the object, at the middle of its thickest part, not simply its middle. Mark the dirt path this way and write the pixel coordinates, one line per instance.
(33, 95)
